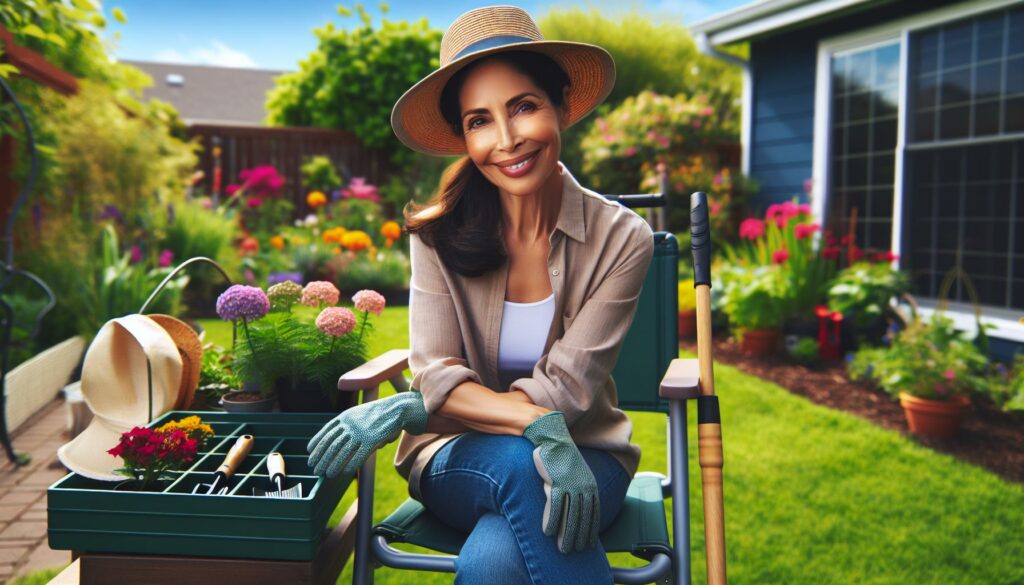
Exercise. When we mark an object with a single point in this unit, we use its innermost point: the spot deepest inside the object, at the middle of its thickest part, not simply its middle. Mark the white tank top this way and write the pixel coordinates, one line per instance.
(524, 329)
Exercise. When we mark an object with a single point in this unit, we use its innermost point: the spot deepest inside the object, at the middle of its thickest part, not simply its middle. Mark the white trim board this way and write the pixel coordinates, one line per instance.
(963, 320)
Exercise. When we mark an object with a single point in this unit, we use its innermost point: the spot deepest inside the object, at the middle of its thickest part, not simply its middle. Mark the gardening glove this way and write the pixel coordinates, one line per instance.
(572, 509)
(346, 442)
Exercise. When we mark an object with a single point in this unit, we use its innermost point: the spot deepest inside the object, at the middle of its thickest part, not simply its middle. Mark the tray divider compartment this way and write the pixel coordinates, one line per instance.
(261, 462)
(210, 451)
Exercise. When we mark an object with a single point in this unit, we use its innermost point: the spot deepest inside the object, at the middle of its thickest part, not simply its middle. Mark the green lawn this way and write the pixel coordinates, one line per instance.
(812, 495)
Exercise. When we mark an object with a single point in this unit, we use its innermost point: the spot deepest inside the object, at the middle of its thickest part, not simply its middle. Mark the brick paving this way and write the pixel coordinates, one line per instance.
(23, 546)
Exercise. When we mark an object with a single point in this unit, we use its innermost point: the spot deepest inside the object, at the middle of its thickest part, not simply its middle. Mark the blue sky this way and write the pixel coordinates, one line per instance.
(276, 35)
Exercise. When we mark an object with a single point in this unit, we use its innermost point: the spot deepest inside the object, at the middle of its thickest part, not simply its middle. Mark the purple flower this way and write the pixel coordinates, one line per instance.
(279, 277)
(136, 255)
(166, 258)
(241, 301)
(111, 211)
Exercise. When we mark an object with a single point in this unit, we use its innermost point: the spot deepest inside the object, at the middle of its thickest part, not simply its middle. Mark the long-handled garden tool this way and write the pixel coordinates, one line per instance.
(709, 428)
(222, 477)
(275, 469)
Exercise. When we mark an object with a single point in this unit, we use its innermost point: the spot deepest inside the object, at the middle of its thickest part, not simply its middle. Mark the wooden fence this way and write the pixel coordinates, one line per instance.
(286, 148)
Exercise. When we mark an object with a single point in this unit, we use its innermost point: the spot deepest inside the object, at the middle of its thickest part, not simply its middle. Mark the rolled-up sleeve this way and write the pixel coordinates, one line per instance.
(578, 364)
(436, 354)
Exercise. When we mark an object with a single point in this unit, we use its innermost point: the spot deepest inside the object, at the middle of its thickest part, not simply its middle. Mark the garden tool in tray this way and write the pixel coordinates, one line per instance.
(275, 469)
(227, 469)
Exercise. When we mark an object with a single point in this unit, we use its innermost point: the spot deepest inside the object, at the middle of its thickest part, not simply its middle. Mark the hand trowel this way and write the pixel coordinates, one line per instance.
(223, 475)
(275, 469)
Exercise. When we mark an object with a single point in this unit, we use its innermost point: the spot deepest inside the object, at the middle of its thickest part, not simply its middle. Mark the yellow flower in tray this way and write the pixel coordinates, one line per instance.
(192, 426)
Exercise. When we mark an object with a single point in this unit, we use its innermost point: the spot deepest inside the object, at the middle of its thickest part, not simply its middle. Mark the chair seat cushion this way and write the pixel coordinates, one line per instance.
(640, 528)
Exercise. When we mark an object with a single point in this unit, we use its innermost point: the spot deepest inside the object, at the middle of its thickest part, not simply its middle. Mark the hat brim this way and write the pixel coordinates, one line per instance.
(417, 121)
(87, 453)
(191, 349)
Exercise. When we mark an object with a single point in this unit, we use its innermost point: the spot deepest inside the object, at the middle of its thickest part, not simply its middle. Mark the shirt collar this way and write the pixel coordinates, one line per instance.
(570, 217)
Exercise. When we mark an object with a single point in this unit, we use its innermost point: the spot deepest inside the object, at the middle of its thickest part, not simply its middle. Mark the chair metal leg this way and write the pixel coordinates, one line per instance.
(362, 570)
(679, 472)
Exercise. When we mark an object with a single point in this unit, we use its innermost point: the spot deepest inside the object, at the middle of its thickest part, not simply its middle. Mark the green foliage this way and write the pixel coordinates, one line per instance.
(26, 307)
(197, 231)
(216, 377)
(388, 270)
(288, 346)
(354, 77)
(862, 291)
(755, 297)
(318, 172)
(623, 150)
(651, 54)
(1007, 388)
(928, 360)
(805, 351)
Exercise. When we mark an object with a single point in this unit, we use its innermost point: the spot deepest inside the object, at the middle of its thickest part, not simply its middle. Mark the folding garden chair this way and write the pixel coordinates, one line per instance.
(648, 377)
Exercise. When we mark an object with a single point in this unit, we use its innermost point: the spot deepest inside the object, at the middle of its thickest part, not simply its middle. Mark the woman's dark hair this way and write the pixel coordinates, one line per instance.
(463, 219)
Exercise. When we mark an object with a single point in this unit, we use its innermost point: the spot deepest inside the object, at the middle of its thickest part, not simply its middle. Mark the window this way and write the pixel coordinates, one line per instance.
(865, 92)
(964, 154)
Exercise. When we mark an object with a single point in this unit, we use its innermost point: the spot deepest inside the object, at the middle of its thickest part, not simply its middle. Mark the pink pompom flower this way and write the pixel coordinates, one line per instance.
(780, 256)
(804, 230)
(369, 301)
(336, 321)
(320, 292)
(751, 229)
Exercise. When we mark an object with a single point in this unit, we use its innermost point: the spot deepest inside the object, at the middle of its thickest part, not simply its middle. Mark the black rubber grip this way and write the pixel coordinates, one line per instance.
(707, 410)
(700, 239)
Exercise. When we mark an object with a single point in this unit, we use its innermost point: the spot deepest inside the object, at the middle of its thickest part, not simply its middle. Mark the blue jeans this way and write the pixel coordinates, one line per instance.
(486, 486)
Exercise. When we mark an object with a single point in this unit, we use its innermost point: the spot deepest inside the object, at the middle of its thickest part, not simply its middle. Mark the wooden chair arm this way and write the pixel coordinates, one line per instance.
(384, 367)
(681, 381)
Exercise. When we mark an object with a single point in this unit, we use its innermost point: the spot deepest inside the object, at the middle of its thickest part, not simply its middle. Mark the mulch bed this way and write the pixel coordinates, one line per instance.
(989, 438)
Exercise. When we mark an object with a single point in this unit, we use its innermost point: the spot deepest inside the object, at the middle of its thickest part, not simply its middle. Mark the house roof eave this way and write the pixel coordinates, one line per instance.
(766, 16)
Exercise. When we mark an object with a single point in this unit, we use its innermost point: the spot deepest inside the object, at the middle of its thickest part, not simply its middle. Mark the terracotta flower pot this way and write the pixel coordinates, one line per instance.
(687, 324)
(934, 418)
(759, 342)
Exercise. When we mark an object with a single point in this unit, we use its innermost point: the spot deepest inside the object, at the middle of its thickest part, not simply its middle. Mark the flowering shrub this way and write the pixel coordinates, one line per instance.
(149, 454)
(622, 151)
(928, 360)
(755, 297)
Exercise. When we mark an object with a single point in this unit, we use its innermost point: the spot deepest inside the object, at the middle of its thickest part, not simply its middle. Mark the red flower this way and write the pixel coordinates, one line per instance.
(751, 229)
(856, 253)
(804, 230)
(254, 202)
(780, 256)
(830, 253)
(886, 256)
(821, 311)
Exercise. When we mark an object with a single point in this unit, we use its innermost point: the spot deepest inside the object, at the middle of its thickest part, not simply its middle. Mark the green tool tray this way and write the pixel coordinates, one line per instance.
(87, 515)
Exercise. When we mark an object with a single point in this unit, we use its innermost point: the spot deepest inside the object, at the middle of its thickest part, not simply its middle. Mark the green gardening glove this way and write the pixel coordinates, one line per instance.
(572, 511)
(347, 440)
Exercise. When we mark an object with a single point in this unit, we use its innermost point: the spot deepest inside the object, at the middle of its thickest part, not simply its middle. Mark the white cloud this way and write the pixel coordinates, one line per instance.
(216, 54)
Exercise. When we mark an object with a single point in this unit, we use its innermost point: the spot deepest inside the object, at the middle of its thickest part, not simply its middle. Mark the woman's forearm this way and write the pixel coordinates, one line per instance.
(473, 407)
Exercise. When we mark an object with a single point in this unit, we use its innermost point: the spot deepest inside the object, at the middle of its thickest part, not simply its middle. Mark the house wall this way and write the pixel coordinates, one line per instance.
(783, 70)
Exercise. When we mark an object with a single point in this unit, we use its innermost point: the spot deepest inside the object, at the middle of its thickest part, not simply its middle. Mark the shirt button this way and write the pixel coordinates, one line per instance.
(555, 272)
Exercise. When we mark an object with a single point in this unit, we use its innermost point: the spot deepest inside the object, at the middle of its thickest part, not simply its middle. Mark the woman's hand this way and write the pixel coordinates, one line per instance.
(346, 442)
(572, 510)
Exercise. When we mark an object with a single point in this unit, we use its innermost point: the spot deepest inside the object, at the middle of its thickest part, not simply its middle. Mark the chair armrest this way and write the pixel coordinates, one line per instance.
(381, 368)
(681, 381)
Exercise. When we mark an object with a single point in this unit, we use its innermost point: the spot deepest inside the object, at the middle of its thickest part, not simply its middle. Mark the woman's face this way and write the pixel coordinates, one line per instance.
(512, 130)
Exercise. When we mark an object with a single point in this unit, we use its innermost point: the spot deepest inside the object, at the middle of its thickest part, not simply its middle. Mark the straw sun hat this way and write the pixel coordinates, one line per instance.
(416, 117)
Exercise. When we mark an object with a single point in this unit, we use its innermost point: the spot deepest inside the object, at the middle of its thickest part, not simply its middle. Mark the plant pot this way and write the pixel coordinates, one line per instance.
(938, 419)
(134, 485)
(306, 396)
(688, 324)
(240, 401)
(759, 342)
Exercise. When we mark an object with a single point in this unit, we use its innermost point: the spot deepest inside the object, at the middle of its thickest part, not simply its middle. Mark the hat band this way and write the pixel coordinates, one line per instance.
(490, 43)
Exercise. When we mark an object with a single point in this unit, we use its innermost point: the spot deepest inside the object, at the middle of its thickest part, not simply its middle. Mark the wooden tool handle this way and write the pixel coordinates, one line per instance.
(238, 452)
(275, 465)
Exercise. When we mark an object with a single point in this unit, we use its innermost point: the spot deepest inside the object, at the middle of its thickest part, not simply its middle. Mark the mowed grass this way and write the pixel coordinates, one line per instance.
(812, 495)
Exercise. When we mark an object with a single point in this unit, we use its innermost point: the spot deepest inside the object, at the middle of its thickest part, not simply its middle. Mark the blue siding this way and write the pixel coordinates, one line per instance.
(784, 67)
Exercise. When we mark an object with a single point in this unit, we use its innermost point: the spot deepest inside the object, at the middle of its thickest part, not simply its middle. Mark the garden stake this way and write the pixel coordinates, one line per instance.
(709, 428)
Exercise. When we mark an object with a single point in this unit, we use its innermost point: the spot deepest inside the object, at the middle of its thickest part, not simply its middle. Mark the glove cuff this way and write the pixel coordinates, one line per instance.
(550, 426)
(415, 414)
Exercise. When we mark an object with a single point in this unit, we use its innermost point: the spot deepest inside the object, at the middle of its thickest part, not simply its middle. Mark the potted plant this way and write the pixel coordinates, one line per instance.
(687, 310)
(862, 292)
(244, 304)
(215, 378)
(150, 454)
(754, 299)
(298, 348)
(931, 368)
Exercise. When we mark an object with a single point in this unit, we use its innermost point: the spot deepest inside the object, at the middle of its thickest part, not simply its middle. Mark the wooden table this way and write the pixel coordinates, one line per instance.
(118, 569)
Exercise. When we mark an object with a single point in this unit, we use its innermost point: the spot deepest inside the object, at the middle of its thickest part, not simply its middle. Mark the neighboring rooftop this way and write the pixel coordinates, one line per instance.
(769, 16)
(204, 94)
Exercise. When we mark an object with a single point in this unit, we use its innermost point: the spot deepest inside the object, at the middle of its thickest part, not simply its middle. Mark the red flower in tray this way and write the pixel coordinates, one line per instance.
(149, 454)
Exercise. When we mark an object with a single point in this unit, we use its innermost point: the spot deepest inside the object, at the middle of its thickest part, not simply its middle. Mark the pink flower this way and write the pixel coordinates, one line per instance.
(830, 253)
(707, 111)
(804, 230)
(320, 291)
(808, 185)
(630, 150)
(751, 229)
(254, 202)
(941, 389)
(166, 257)
(336, 321)
(360, 189)
(369, 301)
(949, 375)
(135, 255)
(780, 256)
(231, 189)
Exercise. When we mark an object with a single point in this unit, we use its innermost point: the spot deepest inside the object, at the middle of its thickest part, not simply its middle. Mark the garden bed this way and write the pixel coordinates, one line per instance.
(989, 438)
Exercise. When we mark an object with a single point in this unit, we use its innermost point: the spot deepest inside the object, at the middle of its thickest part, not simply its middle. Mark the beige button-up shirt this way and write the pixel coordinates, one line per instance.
(600, 252)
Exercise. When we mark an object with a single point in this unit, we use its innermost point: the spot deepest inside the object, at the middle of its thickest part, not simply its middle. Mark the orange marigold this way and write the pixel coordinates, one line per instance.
(277, 242)
(316, 199)
(334, 235)
(356, 240)
(391, 230)
(249, 245)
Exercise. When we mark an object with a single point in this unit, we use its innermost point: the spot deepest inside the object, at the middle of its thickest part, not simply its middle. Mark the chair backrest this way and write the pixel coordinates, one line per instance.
(653, 339)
